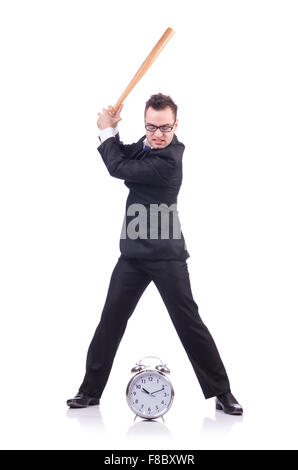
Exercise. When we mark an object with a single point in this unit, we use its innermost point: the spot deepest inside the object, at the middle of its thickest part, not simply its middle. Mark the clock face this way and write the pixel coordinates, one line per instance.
(150, 394)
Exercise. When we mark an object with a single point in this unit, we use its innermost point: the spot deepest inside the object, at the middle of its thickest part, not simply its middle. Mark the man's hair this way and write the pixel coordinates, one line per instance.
(160, 101)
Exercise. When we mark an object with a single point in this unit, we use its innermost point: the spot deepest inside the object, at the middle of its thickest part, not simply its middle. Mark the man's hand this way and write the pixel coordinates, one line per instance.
(108, 117)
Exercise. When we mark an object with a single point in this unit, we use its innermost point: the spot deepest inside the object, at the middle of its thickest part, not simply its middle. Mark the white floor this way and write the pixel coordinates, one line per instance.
(43, 421)
(52, 426)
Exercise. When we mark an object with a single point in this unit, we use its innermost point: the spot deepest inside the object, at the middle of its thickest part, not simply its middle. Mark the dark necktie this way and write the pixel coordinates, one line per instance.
(146, 147)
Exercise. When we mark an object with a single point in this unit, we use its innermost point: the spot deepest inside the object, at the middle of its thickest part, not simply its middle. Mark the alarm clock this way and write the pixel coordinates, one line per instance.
(149, 392)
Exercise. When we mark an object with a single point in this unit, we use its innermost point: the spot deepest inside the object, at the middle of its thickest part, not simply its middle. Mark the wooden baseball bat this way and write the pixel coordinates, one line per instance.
(145, 65)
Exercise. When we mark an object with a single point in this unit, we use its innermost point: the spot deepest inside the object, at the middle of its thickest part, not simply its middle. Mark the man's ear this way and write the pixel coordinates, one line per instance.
(176, 124)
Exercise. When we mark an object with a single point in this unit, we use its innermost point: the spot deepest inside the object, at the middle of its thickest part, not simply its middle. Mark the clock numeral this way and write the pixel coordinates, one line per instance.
(137, 401)
(156, 407)
(163, 402)
(143, 381)
(150, 379)
(138, 386)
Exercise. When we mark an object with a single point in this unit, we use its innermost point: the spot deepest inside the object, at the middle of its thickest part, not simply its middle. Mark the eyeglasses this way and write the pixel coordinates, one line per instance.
(152, 128)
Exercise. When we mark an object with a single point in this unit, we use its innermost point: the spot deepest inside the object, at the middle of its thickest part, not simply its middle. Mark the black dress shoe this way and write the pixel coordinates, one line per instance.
(82, 400)
(228, 403)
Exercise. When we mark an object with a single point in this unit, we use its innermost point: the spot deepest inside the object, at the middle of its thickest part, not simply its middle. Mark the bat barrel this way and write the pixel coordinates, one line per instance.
(145, 65)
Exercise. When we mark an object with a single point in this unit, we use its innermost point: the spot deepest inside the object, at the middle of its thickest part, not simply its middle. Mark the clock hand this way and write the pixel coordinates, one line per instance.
(146, 391)
(158, 390)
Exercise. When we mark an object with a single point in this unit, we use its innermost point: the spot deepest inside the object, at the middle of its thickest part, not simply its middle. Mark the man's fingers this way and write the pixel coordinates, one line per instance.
(111, 110)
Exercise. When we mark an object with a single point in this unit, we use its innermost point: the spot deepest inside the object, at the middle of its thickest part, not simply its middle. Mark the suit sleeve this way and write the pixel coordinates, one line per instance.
(108, 132)
(126, 149)
(154, 168)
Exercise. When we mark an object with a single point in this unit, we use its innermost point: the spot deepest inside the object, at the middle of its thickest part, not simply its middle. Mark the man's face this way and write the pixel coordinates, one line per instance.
(164, 117)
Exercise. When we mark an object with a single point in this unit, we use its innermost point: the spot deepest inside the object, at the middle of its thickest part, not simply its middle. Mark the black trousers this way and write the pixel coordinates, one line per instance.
(129, 280)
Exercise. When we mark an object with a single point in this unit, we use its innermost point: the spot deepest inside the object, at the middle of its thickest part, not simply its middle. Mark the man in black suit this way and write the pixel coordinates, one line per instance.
(152, 248)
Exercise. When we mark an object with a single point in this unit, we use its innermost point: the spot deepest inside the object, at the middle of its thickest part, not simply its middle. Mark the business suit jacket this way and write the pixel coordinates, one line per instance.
(154, 178)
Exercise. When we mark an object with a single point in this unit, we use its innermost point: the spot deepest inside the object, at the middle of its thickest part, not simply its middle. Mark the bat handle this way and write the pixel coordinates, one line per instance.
(117, 105)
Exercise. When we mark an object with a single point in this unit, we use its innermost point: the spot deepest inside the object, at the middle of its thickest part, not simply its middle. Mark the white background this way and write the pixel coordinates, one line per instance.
(231, 66)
